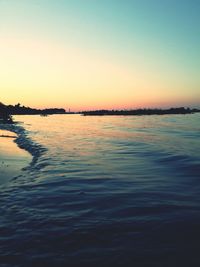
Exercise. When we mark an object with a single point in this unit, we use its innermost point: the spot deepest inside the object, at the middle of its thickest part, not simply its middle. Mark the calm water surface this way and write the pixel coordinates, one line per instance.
(104, 191)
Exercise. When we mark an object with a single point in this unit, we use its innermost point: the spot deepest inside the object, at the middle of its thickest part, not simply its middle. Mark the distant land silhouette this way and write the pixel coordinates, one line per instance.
(138, 112)
(22, 110)
(6, 111)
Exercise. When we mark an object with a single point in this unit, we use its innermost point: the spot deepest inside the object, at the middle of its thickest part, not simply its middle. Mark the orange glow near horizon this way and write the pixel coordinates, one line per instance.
(41, 74)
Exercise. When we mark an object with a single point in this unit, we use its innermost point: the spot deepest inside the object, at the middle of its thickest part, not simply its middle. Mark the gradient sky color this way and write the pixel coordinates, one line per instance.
(91, 54)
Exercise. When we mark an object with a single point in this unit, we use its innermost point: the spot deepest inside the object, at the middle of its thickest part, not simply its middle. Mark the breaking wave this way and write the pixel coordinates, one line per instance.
(25, 142)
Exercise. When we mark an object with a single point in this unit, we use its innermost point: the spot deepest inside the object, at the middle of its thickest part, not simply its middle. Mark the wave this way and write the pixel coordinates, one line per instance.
(25, 142)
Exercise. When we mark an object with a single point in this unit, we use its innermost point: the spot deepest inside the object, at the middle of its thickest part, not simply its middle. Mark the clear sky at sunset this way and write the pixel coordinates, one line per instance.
(91, 54)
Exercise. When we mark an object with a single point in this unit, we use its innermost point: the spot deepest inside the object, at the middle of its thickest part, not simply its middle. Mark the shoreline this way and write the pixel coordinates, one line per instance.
(12, 158)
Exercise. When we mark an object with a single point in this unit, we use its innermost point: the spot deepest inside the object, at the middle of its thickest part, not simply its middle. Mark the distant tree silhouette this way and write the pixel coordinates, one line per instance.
(140, 112)
(7, 111)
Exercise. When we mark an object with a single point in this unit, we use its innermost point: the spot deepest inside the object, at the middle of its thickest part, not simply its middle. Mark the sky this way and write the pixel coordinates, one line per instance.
(92, 54)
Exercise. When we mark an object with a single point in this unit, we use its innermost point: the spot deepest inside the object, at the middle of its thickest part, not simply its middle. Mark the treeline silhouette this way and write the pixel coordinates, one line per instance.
(181, 110)
(22, 110)
(6, 111)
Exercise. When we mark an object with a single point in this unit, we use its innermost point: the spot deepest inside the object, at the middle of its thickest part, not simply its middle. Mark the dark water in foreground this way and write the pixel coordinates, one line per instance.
(104, 191)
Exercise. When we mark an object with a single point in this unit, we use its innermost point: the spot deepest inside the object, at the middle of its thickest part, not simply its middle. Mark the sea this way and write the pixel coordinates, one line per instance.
(104, 191)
